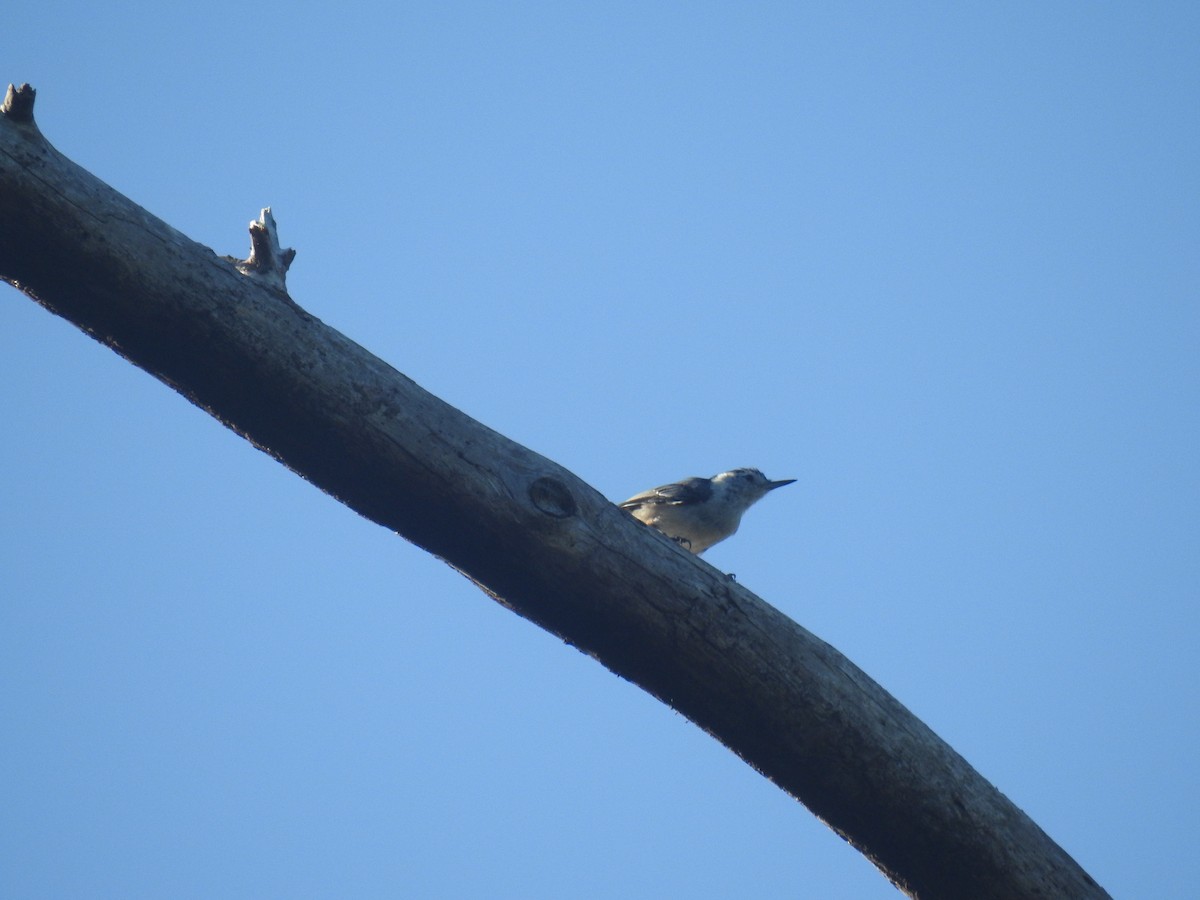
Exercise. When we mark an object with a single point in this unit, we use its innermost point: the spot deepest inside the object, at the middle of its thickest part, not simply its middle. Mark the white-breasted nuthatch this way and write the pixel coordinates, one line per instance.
(699, 512)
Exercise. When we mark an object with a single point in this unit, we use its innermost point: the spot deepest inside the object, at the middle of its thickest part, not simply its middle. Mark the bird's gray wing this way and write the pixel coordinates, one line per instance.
(690, 490)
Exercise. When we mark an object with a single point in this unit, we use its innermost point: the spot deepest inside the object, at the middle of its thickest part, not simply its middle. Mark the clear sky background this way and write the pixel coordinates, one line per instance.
(938, 262)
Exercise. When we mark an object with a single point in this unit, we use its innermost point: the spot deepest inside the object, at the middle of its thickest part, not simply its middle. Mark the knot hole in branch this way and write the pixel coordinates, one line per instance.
(552, 497)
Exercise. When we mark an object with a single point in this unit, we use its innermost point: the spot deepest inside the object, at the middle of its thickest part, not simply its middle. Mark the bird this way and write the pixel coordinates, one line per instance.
(699, 512)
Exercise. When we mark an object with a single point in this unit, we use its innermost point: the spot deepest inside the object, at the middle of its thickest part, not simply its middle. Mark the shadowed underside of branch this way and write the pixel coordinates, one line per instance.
(225, 335)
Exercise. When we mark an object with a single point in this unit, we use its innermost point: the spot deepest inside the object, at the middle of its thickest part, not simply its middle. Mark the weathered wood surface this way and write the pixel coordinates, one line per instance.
(528, 532)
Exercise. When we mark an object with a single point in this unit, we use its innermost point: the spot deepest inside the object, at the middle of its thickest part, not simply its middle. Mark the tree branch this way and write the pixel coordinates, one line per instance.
(528, 532)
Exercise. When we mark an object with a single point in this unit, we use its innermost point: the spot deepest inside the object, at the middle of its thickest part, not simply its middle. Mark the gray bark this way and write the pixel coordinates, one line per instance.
(528, 532)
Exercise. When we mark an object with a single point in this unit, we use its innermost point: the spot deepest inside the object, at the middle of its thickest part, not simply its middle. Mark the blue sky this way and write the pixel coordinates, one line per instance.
(937, 262)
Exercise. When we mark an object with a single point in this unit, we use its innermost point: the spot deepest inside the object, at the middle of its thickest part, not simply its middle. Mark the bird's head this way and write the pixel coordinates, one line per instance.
(747, 485)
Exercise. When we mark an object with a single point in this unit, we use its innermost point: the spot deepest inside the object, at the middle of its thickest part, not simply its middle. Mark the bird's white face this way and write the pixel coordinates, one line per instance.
(746, 485)
(745, 482)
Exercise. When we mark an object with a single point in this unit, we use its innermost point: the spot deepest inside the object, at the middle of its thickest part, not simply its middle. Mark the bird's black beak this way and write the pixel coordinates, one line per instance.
(779, 484)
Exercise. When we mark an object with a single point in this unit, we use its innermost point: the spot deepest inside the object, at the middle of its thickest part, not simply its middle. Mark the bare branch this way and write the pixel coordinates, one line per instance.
(527, 531)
